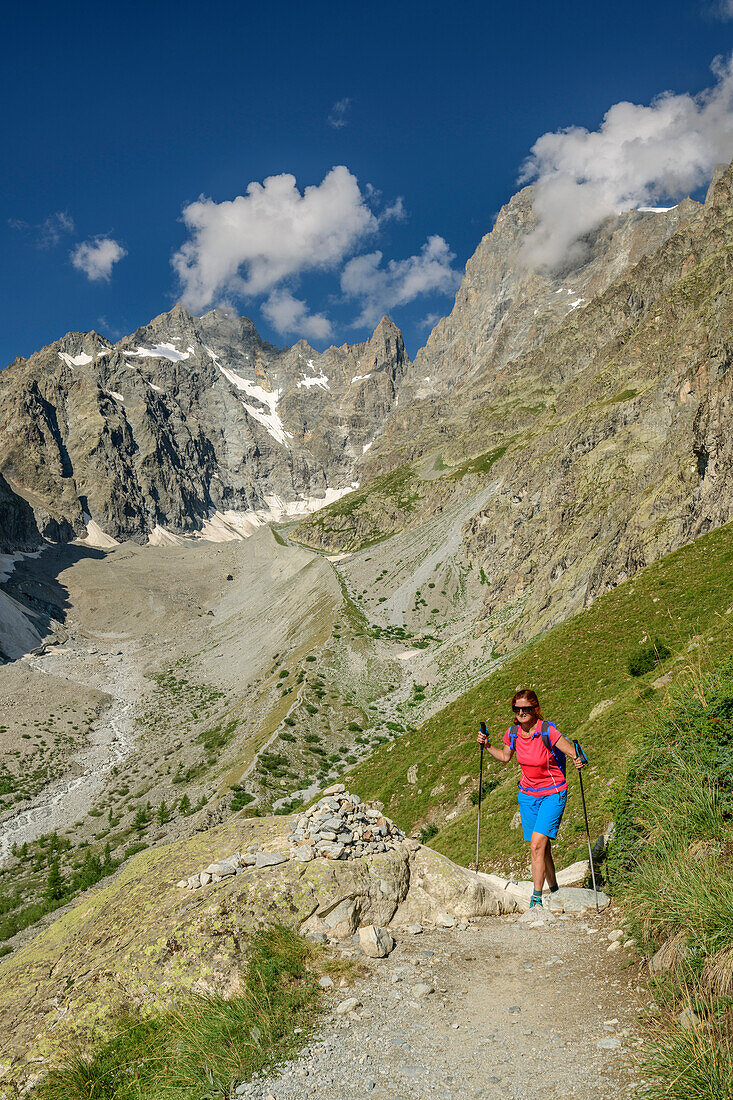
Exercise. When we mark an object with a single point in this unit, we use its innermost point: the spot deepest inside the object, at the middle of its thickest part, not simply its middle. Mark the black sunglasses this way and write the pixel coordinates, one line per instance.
(523, 710)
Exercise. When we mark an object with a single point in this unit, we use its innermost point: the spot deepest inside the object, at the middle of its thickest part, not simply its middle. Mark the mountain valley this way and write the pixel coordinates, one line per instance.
(233, 575)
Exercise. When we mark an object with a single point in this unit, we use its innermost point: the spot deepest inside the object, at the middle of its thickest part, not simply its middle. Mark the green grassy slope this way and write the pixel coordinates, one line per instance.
(685, 599)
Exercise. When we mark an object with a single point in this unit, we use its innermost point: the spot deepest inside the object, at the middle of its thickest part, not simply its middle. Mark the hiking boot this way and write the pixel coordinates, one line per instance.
(534, 901)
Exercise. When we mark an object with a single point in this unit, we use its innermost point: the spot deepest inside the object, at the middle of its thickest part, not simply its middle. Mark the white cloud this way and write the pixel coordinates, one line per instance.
(291, 316)
(97, 257)
(337, 115)
(271, 233)
(380, 289)
(50, 231)
(723, 9)
(639, 155)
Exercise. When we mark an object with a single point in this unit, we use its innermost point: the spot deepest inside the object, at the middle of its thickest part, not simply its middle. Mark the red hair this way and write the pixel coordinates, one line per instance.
(531, 697)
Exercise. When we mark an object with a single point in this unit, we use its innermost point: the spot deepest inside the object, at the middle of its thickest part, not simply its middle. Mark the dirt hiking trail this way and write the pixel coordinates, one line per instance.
(514, 1012)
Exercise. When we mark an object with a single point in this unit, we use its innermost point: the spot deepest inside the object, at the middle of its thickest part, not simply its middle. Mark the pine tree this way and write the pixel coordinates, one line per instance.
(185, 805)
(164, 813)
(55, 883)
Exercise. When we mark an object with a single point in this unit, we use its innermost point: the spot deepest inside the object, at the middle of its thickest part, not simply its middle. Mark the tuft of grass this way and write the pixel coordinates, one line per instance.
(672, 854)
(202, 1047)
(689, 1063)
(671, 864)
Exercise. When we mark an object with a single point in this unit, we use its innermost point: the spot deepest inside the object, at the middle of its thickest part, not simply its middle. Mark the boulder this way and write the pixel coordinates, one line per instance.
(341, 920)
(574, 874)
(539, 917)
(269, 859)
(575, 899)
(330, 851)
(439, 886)
(304, 854)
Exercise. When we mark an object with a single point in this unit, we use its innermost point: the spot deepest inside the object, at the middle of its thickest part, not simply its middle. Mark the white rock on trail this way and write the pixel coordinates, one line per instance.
(375, 942)
(539, 916)
(574, 874)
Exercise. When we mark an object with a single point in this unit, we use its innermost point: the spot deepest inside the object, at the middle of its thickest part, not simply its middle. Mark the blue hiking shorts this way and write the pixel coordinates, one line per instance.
(541, 813)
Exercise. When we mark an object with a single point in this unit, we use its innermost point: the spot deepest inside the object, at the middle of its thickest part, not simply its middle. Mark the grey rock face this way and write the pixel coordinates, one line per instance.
(187, 417)
(18, 530)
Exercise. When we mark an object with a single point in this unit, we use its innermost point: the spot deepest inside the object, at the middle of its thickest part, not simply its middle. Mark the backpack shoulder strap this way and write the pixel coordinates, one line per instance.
(513, 731)
(557, 753)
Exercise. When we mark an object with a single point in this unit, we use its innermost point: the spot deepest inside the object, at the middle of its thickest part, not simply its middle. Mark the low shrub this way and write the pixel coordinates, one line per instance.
(647, 656)
(487, 786)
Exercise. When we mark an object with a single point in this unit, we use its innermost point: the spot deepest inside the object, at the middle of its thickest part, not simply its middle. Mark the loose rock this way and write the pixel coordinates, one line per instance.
(375, 942)
(340, 826)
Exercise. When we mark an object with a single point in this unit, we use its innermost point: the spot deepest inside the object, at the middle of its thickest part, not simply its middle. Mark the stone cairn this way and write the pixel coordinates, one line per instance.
(341, 826)
(338, 826)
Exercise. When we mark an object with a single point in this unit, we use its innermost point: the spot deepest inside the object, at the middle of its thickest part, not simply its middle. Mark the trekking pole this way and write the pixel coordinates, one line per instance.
(480, 785)
(579, 752)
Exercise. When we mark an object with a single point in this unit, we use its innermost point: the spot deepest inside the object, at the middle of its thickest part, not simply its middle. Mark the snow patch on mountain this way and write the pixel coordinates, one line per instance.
(163, 351)
(80, 360)
(269, 420)
(96, 536)
(321, 381)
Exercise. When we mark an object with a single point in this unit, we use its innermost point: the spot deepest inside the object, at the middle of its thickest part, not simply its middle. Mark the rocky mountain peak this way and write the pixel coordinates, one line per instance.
(720, 191)
(188, 418)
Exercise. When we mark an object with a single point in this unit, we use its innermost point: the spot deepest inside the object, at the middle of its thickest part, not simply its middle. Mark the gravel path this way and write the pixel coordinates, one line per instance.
(517, 1013)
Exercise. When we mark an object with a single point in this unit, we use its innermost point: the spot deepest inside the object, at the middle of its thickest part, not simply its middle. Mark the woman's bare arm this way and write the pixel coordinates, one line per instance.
(503, 755)
(564, 745)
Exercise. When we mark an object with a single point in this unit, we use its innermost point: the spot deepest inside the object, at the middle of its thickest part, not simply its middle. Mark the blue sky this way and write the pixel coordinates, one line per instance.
(117, 118)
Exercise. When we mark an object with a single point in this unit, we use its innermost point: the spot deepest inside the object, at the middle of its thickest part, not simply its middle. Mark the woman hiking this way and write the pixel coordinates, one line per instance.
(541, 750)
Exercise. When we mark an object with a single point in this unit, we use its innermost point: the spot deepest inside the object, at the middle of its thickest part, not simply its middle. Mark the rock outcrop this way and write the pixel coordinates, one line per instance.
(18, 529)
